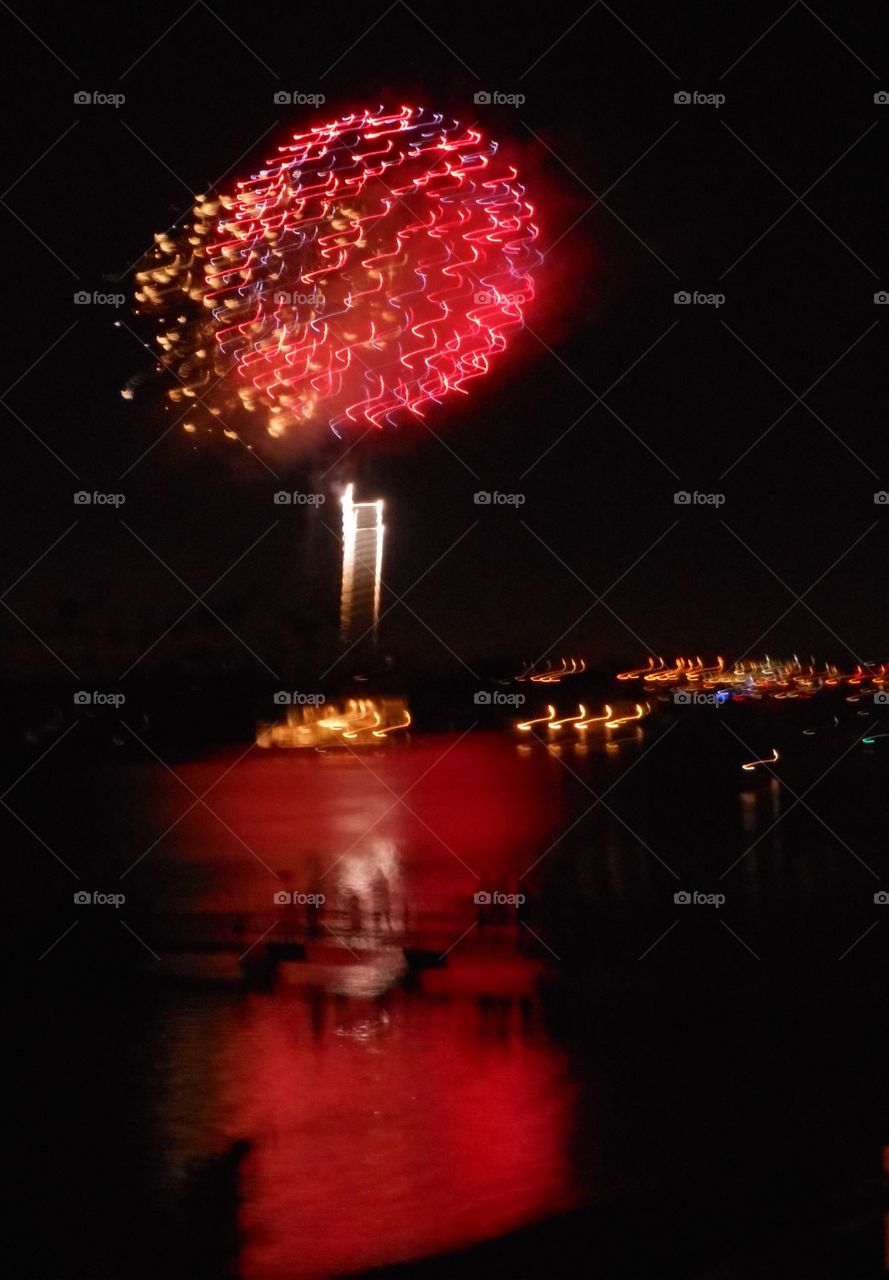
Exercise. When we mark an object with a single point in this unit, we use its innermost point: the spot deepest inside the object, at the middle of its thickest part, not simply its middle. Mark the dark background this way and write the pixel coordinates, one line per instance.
(775, 1072)
(85, 204)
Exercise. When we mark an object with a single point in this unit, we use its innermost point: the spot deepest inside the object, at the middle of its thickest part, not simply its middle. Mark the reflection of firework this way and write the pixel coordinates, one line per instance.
(377, 265)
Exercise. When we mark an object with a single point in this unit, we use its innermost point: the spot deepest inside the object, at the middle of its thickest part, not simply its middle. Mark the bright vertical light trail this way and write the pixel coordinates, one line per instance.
(361, 593)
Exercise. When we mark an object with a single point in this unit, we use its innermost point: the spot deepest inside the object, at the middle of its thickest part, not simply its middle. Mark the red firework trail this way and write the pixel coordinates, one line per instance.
(377, 265)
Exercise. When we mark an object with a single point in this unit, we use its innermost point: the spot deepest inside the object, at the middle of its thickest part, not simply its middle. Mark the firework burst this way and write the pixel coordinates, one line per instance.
(378, 265)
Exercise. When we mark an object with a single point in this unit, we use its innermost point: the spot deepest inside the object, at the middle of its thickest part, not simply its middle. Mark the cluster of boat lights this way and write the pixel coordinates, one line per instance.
(582, 720)
(741, 681)
(763, 677)
(354, 722)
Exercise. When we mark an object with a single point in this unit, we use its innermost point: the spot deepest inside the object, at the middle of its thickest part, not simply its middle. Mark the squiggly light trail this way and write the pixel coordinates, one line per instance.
(375, 267)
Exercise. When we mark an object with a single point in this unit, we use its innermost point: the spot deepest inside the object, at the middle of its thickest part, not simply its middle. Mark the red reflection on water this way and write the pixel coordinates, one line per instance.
(382, 1128)
(386, 1136)
(471, 809)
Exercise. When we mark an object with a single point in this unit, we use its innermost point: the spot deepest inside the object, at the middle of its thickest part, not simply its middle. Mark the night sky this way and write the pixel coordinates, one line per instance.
(776, 398)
